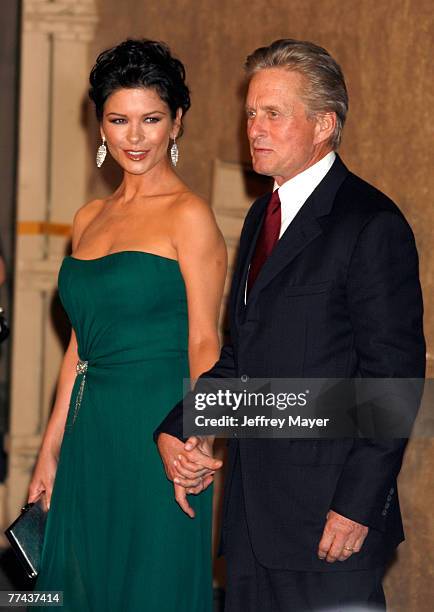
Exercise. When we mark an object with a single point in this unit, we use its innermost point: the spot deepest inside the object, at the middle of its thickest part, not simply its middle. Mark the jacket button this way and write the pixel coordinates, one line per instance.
(387, 505)
(389, 497)
(244, 378)
(392, 491)
(384, 513)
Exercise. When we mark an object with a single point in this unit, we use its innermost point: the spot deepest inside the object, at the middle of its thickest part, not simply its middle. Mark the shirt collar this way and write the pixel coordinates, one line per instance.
(296, 191)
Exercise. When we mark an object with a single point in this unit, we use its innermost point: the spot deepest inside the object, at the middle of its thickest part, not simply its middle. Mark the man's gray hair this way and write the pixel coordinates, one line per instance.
(325, 90)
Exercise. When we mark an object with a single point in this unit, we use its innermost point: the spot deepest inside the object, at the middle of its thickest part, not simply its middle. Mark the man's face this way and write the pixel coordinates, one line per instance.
(283, 140)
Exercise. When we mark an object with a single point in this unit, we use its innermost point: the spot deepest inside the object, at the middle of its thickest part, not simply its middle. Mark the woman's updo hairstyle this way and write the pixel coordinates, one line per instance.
(139, 63)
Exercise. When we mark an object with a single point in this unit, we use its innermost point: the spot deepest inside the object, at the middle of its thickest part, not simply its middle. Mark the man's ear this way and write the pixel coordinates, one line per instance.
(324, 127)
(176, 128)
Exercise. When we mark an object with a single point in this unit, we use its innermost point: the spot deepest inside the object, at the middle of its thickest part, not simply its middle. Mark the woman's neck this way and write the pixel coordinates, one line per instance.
(159, 180)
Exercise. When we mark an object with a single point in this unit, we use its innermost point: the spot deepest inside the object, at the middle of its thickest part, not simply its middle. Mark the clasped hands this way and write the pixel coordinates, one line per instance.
(191, 467)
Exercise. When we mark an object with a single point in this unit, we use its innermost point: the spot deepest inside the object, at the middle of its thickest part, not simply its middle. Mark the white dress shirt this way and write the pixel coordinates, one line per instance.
(294, 193)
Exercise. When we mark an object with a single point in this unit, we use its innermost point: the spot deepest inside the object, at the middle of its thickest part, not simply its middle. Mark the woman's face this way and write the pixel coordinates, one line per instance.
(137, 125)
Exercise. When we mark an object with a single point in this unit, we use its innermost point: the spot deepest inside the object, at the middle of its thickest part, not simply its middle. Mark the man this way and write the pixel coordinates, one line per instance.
(326, 286)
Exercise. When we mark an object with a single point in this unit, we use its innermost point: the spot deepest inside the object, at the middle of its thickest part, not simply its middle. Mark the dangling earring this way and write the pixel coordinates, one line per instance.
(174, 152)
(101, 153)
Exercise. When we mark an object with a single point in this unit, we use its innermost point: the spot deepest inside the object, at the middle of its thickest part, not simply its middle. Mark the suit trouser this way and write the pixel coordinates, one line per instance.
(252, 587)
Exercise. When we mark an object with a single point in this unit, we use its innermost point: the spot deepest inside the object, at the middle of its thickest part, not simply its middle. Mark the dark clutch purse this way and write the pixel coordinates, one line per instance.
(26, 535)
(4, 327)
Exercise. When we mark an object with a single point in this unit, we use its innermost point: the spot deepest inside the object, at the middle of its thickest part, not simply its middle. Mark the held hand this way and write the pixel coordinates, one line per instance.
(341, 538)
(196, 466)
(43, 478)
(170, 449)
(181, 494)
(181, 498)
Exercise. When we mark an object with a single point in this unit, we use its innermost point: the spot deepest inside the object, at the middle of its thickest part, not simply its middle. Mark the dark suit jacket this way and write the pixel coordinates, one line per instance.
(338, 297)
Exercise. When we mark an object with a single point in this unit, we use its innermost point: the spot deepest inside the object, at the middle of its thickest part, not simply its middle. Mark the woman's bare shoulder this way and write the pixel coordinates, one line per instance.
(188, 207)
(195, 227)
(84, 216)
(89, 210)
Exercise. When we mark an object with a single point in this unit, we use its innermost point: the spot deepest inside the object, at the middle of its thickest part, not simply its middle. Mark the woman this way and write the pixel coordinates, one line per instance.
(142, 290)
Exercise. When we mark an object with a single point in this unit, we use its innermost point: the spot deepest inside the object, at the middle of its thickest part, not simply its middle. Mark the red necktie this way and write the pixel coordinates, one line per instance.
(268, 237)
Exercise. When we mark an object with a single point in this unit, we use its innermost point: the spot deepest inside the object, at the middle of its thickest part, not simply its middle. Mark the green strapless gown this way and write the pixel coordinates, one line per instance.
(116, 539)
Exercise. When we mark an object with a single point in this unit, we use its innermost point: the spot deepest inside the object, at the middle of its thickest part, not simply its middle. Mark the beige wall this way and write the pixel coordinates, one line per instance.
(385, 48)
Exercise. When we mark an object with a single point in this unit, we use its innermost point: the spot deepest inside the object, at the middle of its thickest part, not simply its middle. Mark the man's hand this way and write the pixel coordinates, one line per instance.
(341, 538)
(195, 481)
(195, 466)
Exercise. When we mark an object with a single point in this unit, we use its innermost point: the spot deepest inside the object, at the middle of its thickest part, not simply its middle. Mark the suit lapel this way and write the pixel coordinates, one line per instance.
(296, 238)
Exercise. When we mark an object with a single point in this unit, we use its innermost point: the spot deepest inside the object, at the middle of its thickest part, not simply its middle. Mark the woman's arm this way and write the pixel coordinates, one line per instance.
(46, 465)
(45, 469)
(203, 261)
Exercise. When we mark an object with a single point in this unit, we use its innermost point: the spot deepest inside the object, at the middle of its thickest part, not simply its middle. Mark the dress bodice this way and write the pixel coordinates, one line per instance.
(125, 307)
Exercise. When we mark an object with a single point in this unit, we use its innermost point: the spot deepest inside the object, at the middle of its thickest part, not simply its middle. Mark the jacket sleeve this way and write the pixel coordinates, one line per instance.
(385, 303)
(173, 423)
